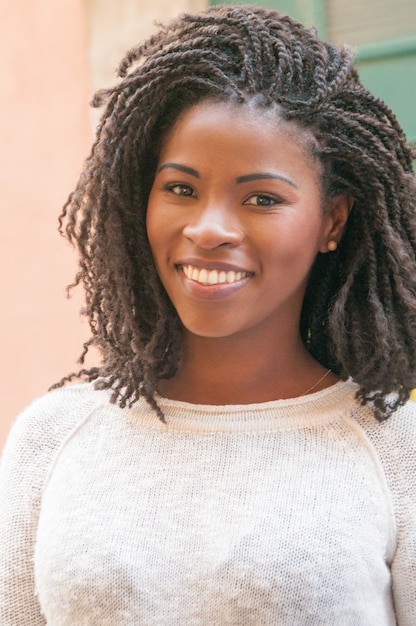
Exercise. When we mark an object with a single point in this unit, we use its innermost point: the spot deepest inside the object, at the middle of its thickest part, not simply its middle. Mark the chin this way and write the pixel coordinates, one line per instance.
(210, 331)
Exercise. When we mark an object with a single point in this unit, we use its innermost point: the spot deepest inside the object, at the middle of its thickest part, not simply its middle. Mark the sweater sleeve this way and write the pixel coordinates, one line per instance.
(403, 568)
(394, 445)
(29, 451)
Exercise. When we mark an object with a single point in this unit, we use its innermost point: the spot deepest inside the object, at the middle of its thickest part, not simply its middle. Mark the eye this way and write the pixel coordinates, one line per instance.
(262, 199)
(180, 189)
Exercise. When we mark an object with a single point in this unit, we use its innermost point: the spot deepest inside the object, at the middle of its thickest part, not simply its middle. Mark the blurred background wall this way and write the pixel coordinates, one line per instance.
(53, 56)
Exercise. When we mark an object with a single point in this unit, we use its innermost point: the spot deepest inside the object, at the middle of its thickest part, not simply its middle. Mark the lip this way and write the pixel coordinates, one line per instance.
(213, 293)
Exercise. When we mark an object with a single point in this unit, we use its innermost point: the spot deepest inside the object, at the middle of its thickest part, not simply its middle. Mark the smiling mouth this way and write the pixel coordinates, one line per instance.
(212, 277)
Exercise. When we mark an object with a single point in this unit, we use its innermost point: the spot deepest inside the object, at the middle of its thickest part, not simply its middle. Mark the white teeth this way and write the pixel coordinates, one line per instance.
(232, 277)
(203, 277)
(212, 277)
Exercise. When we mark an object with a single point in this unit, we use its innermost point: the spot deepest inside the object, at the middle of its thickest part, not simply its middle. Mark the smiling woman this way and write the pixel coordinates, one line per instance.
(235, 221)
(246, 230)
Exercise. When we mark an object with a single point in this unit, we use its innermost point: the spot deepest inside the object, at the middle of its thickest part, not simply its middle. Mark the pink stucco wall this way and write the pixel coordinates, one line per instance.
(44, 138)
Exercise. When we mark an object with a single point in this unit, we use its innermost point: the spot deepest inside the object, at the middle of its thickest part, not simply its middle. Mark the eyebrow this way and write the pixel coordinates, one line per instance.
(260, 176)
(181, 168)
(240, 179)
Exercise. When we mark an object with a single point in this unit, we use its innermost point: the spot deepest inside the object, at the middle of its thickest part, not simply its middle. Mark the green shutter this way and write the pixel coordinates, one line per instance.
(306, 11)
(388, 69)
(384, 34)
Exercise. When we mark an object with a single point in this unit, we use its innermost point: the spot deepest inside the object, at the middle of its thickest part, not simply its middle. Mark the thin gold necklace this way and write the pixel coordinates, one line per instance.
(316, 384)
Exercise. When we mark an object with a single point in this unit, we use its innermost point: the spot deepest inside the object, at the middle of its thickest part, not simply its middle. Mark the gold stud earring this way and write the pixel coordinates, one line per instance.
(331, 245)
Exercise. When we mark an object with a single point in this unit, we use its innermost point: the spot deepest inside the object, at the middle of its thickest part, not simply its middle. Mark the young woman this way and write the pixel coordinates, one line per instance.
(246, 452)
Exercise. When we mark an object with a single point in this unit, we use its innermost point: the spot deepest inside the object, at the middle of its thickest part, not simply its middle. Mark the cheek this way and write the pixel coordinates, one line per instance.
(292, 238)
(291, 253)
(160, 234)
(154, 227)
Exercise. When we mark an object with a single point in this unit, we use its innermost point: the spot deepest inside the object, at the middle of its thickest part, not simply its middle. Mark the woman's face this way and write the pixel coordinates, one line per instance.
(235, 219)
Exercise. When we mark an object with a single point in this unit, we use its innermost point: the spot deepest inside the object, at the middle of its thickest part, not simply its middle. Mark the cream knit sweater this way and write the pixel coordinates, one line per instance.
(288, 513)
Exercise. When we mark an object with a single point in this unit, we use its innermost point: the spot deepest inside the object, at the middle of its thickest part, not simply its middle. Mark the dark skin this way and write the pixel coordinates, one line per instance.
(231, 371)
(242, 203)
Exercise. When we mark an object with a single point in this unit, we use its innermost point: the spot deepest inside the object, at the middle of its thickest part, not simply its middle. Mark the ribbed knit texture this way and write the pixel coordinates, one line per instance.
(292, 513)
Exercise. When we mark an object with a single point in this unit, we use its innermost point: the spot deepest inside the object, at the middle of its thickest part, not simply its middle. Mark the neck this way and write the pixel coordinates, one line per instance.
(232, 371)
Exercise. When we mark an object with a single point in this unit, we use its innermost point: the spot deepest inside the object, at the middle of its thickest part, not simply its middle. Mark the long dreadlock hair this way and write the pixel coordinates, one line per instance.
(359, 311)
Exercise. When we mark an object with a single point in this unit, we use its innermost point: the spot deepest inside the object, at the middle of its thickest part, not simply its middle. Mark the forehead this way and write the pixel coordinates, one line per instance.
(271, 116)
(252, 131)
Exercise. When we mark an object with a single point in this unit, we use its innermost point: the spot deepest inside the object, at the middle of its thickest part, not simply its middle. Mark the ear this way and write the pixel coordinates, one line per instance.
(336, 216)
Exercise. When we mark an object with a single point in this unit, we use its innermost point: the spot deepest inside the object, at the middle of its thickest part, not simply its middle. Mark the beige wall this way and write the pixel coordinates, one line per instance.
(44, 134)
(52, 56)
(116, 25)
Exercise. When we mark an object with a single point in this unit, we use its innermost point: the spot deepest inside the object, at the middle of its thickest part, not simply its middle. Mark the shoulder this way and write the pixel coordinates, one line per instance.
(397, 433)
(45, 423)
(395, 438)
(393, 443)
(402, 425)
(33, 443)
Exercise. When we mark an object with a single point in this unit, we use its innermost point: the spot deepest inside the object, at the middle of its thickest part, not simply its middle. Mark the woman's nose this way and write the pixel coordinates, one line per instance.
(214, 226)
